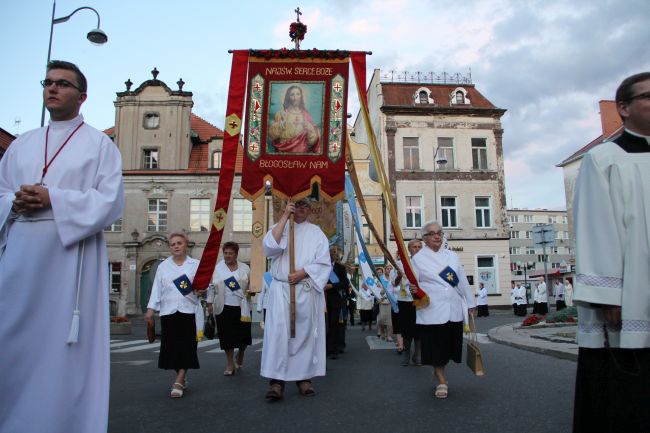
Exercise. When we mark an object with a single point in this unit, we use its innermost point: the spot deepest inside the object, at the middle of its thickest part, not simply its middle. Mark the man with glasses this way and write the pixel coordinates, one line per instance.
(59, 187)
(612, 223)
(302, 357)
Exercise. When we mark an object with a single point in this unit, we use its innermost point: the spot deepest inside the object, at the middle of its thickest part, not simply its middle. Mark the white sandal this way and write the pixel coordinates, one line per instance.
(442, 391)
(177, 392)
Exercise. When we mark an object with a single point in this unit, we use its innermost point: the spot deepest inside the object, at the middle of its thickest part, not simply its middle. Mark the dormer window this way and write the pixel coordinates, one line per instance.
(459, 97)
(423, 96)
(151, 121)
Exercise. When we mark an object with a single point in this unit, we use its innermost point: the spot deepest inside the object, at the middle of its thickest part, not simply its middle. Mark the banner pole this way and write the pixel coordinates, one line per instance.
(292, 287)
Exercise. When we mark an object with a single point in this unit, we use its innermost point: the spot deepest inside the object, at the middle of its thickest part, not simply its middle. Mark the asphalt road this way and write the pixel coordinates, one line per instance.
(366, 390)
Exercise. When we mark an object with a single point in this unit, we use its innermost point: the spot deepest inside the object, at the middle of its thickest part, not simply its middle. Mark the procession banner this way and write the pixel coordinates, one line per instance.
(295, 123)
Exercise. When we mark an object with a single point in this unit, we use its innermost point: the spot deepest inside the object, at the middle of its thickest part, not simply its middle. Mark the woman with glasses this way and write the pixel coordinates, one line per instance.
(440, 324)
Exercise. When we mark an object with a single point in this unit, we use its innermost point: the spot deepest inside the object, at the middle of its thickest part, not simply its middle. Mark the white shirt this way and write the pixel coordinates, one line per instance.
(165, 297)
(447, 303)
(482, 296)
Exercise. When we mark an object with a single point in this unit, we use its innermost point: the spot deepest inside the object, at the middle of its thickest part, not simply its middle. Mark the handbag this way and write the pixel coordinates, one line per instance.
(209, 329)
(151, 330)
(474, 358)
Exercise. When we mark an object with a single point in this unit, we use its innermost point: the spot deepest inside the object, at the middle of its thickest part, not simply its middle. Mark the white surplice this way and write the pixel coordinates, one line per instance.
(302, 357)
(612, 223)
(48, 385)
(447, 303)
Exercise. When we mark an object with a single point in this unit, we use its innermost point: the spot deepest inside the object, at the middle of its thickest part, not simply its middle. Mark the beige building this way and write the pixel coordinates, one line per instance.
(612, 126)
(441, 144)
(171, 162)
(527, 260)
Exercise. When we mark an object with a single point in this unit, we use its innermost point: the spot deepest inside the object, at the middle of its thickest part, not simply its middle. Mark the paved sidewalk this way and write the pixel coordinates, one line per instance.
(556, 340)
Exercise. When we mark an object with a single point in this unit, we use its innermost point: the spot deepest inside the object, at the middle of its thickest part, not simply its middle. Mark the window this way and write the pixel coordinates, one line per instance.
(530, 250)
(551, 219)
(199, 214)
(411, 153)
(553, 250)
(150, 158)
(460, 98)
(529, 234)
(413, 212)
(528, 218)
(514, 235)
(216, 159)
(482, 209)
(514, 218)
(515, 250)
(445, 153)
(423, 97)
(479, 153)
(151, 121)
(157, 215)
(566, 235)
(242, 215)
(115, 271)
(448, 212)
(555, 265)
(568, 250)
(542, 258)
(115, 227)
(564, 219)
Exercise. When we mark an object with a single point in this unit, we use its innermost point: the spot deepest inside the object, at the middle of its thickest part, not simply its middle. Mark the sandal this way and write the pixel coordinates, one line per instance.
(442, 391)
(306, 388)
(177, 390)
(275, 392)
(230, 372)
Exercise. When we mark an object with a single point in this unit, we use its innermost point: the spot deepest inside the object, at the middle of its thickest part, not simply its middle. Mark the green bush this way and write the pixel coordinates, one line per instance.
(569, 314)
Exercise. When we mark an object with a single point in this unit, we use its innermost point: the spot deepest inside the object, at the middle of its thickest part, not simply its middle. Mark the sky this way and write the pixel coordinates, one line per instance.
(547, 62)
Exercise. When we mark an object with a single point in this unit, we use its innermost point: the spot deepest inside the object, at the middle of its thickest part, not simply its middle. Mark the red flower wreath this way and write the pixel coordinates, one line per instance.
(297, 31)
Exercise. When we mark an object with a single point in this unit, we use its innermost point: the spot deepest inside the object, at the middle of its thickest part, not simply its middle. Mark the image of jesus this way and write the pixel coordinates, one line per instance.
(292, 129)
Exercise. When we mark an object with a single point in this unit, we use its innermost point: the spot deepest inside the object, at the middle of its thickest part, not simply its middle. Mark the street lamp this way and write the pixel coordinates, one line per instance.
(436, 161)
(95, 36)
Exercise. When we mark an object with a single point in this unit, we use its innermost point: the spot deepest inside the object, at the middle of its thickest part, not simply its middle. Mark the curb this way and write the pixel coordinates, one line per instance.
(508, 335)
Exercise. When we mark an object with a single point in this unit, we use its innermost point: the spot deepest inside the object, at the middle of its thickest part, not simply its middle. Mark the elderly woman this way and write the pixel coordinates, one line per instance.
(228, 299)
(440, 324)
(172, 295)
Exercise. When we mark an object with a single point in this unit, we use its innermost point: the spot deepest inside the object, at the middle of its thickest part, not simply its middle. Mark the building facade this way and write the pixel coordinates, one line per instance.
(526, 259)
(441, 144)
(171, 161)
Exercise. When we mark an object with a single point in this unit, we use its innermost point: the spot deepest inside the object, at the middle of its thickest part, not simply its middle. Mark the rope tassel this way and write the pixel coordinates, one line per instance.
(73, 336)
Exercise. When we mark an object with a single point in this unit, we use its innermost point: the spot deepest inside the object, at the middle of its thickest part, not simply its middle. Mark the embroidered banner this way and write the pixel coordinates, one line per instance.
(295, 125)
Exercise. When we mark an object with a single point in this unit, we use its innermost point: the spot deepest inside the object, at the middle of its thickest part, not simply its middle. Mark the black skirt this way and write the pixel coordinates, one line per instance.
(406, 319)
(612, 391)
(232, 332)
(483, 311)
(178, 342)
(441, 343)
(366, 316)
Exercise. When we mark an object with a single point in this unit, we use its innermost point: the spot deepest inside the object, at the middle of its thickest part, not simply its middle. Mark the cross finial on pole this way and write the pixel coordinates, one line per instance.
(298, 13)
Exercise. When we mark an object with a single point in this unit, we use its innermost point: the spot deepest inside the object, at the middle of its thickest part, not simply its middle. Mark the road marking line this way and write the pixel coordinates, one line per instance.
(127, 343)
(154, 345)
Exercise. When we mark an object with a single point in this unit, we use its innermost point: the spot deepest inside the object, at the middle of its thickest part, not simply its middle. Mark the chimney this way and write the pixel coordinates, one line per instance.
(609, 118)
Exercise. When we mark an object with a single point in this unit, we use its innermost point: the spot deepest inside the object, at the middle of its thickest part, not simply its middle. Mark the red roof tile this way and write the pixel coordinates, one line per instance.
(402, 94)
(204, 129)
(5, 138)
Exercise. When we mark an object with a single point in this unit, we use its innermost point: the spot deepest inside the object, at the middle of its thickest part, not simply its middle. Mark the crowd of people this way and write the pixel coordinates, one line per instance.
(53, 211)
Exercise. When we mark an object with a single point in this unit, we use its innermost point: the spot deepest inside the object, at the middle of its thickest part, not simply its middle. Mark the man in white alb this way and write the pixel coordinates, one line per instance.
(59, 187)
(612, 223)
(302, 357)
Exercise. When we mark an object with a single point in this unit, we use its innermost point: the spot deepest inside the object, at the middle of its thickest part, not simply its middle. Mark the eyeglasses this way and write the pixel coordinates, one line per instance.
(302, 204)
(61, 84)
(644, 95)
(438, 233)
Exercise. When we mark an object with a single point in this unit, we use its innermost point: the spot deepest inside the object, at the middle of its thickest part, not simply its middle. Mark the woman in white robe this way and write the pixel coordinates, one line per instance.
(178, 312)
(440, 324)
